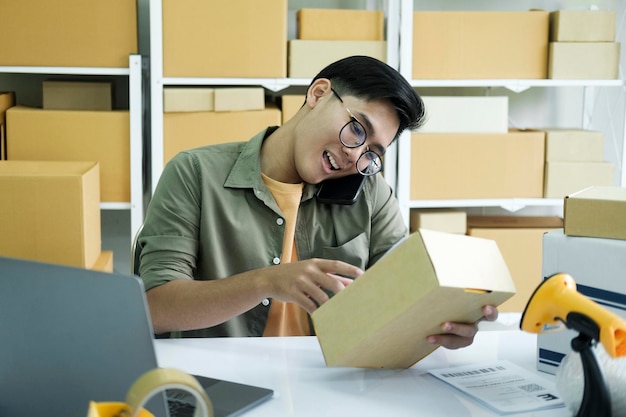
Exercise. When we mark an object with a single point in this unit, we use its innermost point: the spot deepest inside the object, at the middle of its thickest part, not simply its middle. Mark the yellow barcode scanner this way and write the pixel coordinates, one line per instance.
(556, 297)
(555, 302)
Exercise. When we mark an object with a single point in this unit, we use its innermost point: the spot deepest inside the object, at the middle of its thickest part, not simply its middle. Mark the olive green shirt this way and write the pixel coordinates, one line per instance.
(212, 216)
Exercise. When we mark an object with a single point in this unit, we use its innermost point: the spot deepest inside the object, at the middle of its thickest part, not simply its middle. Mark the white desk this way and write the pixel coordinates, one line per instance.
(294, 368)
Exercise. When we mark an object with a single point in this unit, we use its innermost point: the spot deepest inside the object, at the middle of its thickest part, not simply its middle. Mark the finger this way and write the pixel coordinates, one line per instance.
(343, 280)
(317, 296)
(490, 313)
(450, 341)
(466, 330)
(339, 268)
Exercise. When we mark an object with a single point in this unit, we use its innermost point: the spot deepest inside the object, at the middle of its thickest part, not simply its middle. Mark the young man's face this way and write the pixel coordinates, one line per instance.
(319, 152)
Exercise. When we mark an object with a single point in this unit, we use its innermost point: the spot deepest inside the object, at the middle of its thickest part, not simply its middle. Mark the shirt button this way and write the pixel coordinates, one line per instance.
(265, 302)
(276, 261)
(280, 221)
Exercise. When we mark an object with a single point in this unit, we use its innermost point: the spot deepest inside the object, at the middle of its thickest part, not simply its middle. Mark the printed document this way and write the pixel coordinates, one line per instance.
(502, 386)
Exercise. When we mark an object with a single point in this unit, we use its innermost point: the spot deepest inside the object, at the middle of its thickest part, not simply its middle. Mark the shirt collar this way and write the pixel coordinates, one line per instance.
(246, 172)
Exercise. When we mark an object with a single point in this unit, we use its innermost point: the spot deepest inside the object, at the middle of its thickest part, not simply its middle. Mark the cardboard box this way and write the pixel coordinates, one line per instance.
(104, 262)
(598, 267)
(459, 165)
(307, 58)
(7, 100)
(596, 212)
(443, 220)
(582, 26)
(584, 61)
(239, 98)
(77, 95)
(574, 145)
(472, 44)
(519, 238)
(71, 33)
(73, 135)
(188, 99)
(191, 130)
(290, 104)
(340, 24)
(466, 114)
(382, 320)
(564, 178)
(213, 99)
(53, 212)
(246, 38)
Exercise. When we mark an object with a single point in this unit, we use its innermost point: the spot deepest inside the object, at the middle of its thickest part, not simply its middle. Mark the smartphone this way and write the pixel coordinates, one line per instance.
(344, 190)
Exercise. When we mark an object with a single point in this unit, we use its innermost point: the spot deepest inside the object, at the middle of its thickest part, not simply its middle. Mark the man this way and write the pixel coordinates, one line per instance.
(235, 242)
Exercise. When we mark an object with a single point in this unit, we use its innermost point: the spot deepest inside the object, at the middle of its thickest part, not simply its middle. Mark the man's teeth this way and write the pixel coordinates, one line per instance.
(332, 161)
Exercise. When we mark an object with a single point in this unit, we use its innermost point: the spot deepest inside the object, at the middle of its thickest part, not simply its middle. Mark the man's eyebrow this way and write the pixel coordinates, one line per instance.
(381, 149)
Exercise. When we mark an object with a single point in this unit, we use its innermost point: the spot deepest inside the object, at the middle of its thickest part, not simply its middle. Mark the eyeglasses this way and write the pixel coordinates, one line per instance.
(353, 135)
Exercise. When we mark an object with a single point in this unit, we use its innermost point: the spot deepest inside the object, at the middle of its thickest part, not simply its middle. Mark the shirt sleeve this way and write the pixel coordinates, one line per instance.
(169, 238)
(388, 225)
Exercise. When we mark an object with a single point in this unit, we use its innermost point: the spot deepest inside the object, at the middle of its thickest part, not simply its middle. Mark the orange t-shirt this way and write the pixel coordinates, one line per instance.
(287, 319)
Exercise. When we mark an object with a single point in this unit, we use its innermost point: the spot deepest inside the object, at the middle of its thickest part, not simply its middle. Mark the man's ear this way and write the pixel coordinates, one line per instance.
(318, 89)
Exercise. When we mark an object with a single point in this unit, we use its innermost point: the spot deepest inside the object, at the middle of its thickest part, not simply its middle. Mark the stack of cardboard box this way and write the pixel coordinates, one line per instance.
(459, 157)
(582, 45)
(574, 160)
(77, 123)
(326, 35)
(590, 248)
(200, 116)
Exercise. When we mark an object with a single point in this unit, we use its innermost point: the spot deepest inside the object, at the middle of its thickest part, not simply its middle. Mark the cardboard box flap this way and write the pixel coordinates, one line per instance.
(475, 264)
(383, 318)
(607, 193)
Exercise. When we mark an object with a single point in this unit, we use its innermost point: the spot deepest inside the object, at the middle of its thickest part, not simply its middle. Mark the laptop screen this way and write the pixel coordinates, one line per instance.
(70, 335)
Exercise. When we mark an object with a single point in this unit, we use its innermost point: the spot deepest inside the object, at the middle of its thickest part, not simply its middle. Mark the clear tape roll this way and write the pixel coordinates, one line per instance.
(161, 379)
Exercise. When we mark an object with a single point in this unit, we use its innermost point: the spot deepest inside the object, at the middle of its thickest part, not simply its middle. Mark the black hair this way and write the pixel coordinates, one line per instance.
(369, 79)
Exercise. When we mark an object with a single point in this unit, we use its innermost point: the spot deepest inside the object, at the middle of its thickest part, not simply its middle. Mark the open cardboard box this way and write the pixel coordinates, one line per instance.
(383, 318)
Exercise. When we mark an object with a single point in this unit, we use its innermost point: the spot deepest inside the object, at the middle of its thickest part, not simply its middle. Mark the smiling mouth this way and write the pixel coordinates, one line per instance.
(331, 160)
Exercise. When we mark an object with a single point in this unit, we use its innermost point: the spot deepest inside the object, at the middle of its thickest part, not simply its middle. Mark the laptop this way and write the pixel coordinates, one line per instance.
(71, 335)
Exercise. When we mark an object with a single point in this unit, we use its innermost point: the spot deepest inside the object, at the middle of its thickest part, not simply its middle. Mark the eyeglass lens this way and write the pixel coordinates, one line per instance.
(369, 163)
(353, 134)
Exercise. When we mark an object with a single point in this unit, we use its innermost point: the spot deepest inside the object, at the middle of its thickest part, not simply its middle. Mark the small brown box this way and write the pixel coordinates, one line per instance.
(77, 95)
(582, 26)
(383, 318)
(340, 25)
(584, 61)
(596, 212)
(307, 58)
(564, 178)
(53, 213)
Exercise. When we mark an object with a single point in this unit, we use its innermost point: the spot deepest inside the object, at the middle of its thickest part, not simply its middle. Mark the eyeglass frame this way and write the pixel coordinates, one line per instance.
(373, 154)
